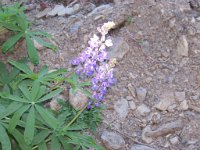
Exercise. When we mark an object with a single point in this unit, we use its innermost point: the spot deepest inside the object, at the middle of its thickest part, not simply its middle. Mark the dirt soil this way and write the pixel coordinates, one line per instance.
(156, 100)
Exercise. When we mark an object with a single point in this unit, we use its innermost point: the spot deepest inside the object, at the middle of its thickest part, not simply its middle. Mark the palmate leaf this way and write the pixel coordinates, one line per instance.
(21, 66)
(32, 52)
(47, 117)
(30, 126)
(11, 42)
(4, 139)
(16, 117)
(50, 95)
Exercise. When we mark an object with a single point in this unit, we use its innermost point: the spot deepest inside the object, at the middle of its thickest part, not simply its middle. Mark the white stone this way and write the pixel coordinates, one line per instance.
(132, 105)
(141, 147)
(182, 46)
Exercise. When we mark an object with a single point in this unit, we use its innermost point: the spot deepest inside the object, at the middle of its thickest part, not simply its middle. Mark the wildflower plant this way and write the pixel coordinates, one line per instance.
(25, 122)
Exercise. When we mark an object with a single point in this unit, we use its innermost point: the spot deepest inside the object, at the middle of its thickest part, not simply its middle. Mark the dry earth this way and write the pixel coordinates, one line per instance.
(155, 104)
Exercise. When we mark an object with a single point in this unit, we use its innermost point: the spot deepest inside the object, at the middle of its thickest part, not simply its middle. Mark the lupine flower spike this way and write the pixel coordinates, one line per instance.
(94, 63)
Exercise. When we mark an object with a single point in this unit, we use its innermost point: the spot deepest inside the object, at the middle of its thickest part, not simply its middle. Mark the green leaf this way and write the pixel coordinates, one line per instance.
(10, 26)
(35, 90)
(44, 43)
(42, 146)
(3, 73)
(50, 95)
(41, 92)
(41, 33)
(32, 52)
(30, 126)
(11, 42)
(10, 109)
(55, 144)
(66, 145)
(85, 84)
(16, 117)
(47, 117)
(4, 139)
(21, 66)
(25, 91)
(20, 139)
(21, 21)
(40, 137)
(15, 98)
(43, 71)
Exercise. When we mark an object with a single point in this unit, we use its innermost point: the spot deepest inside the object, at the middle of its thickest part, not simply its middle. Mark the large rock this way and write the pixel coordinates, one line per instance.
(182, 46)
(119, 49)
(143, 110)
(78, 100)
(166, 99)
(121, 107)
(141, 147)
(112, 140)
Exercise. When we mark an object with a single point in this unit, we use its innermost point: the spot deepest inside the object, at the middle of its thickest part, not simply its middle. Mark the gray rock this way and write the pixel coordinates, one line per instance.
(121, 107)
(78, 100)
(101, 10)
(182, 46)
(141, 147)
(119, 49)
(166, 99)
(141, 93)
(43, 13)
(112, 140)
(60, 10)
(143, 110)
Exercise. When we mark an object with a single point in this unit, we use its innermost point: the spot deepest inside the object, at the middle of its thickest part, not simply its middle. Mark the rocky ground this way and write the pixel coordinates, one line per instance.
(155, 104)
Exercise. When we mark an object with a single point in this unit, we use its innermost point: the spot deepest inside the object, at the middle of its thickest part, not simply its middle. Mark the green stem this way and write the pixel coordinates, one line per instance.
(47, 140)
(72, 121)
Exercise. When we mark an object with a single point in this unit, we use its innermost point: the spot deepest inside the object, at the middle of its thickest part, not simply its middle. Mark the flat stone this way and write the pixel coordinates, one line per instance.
(78, 100)
(182, 46)
(166, 99)
(141, 147)
(119, 49)
(112, 140)
(143, 110)
(121, 107)
(141, 93)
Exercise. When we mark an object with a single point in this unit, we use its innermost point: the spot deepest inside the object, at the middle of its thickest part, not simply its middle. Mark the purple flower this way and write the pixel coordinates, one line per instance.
(93, 62)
